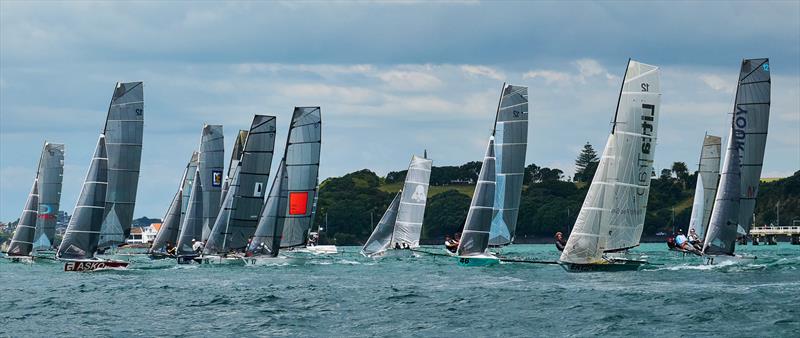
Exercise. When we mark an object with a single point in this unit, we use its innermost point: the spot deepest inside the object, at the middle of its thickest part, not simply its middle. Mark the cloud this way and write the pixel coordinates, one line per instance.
(549, 76)
(410, 80)
(477, 70)
(717, 83)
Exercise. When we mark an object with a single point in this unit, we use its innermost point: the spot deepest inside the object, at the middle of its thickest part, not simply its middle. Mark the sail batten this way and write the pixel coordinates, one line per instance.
(612, 216)
(511, 143)
(123, 132)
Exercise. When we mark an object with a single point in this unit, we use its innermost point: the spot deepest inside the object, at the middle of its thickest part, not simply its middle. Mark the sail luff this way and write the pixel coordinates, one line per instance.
(511, 143)
(22, 240)
(83, 232)
(750, 123)
(123, 131)
(413, 198)
(210, 164)
(301, 159)
(475, 236)
(51, 174)
(381, 236)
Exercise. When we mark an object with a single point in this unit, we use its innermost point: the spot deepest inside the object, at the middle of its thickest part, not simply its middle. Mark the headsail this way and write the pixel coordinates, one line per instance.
(612, 215)
(211, 162)
(267, 238)
(475, 236)
(51, 174)
(168, 233)
(188, 178)
(511, 143)
(301, 159)
(381, 237)
(751, 120)
(192, 224)
(236, 156)
(220, 232)
(721, 236)
(123, 132)
(22, 240)
(83, 232)
(706, 189)
(413, 197)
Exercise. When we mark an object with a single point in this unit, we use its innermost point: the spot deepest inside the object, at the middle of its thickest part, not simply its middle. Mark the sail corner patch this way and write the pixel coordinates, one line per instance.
(298, 203)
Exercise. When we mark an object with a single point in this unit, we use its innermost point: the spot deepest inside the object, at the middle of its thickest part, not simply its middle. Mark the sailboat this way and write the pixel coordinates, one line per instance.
(511, 142)
(706, 188)
(236, 156)
(167, 235)
(288, 211)
(192, 224)
(611, 219)
(473, 248)
(400, 226)
(22, 241)
(35, 232)
(123, 132)
(210, 163)
(50, 175)
(237, 221)
(81, 238)
(738, 186)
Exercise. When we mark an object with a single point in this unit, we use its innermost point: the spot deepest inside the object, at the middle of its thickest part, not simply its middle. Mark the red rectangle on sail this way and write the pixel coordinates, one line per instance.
(298, 203)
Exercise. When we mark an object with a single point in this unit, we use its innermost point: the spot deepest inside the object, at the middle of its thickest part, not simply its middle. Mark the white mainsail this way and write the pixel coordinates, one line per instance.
(411, 211)
(612, 216)
(706, 188)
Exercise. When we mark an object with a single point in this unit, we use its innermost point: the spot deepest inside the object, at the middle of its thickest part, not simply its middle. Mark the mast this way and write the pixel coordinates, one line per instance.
(123, 131)
(475, 236)
(50, 175)
(83, 232)
(511, 143)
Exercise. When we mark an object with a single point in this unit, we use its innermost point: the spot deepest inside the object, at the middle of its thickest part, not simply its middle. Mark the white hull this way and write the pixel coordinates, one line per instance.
(322, 249)
(724, 259)
(21, 259)
(219, 260)
(397, 253)
(267, 260)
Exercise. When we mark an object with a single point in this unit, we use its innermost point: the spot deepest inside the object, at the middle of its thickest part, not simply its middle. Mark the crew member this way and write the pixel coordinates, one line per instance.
(560, 241)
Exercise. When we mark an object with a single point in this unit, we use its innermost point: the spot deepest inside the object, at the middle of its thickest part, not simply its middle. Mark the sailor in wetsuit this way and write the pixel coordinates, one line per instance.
(450, 244)
(560, 241)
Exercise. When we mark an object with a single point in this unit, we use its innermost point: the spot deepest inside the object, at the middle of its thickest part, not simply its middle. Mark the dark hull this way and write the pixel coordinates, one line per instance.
(160, 255)
(610, 266)
(188, 259)
(85, 265)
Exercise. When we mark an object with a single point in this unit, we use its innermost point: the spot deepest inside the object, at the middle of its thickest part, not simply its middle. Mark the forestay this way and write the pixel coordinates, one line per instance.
(211, 161)
(612, 215)
(721, 237)
(22, 240)
(511, 142)
(301, 159)
(192, 224)
(750, 123)
(413, 197)
(51, 174)
(475, 236)
(83, 232)
(706, 188)
(381, 237)
(123, 132)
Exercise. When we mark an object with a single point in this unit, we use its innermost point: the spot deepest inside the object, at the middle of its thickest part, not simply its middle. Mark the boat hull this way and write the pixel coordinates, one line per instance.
(267, 260)
(187, 259)
(159, 255)
(219, 260)
(477, 260)
(614, 265)
(86, 265)
(322, 249)
(723, 259)
(21, 259)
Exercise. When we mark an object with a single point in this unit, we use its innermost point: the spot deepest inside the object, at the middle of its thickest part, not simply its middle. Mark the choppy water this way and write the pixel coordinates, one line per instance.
(426, 296)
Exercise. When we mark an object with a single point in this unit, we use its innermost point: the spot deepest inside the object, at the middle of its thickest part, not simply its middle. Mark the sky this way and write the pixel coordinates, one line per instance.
(392, 79)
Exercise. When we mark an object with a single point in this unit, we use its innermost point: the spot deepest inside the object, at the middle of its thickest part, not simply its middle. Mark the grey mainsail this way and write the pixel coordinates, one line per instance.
(612, 216)
(721, 236)
(192, 224)
(751, 121)
(51, 174)
(511, 143)
(188, 178)
(168, 233)
(123, 132)
(83, 232)
(301, 159)
(267, 238)
(22, 240)
(413, 197)
(211, 162)
(475, 236)
(381, 237)
(236, 156)
(217, 240)
(706, 189)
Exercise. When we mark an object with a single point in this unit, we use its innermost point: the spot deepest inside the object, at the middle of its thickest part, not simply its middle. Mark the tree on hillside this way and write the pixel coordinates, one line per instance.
(547, 174)
(531, 171)
(583, 168)
(666, 174)
(681, 171)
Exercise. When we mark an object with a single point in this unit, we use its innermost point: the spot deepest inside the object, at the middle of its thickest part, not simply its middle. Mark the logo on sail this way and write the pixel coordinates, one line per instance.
(298, 203)
(258, 190)
(419, 194)
(216, 178)
(46, 211)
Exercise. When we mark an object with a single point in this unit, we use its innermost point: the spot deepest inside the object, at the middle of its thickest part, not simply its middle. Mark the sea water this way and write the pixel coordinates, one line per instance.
(349, 295)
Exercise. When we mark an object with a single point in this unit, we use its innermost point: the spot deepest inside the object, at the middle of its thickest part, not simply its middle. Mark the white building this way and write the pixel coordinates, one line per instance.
(143, 235)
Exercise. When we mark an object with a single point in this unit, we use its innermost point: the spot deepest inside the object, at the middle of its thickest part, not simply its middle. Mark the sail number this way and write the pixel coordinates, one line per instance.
(645, 87)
